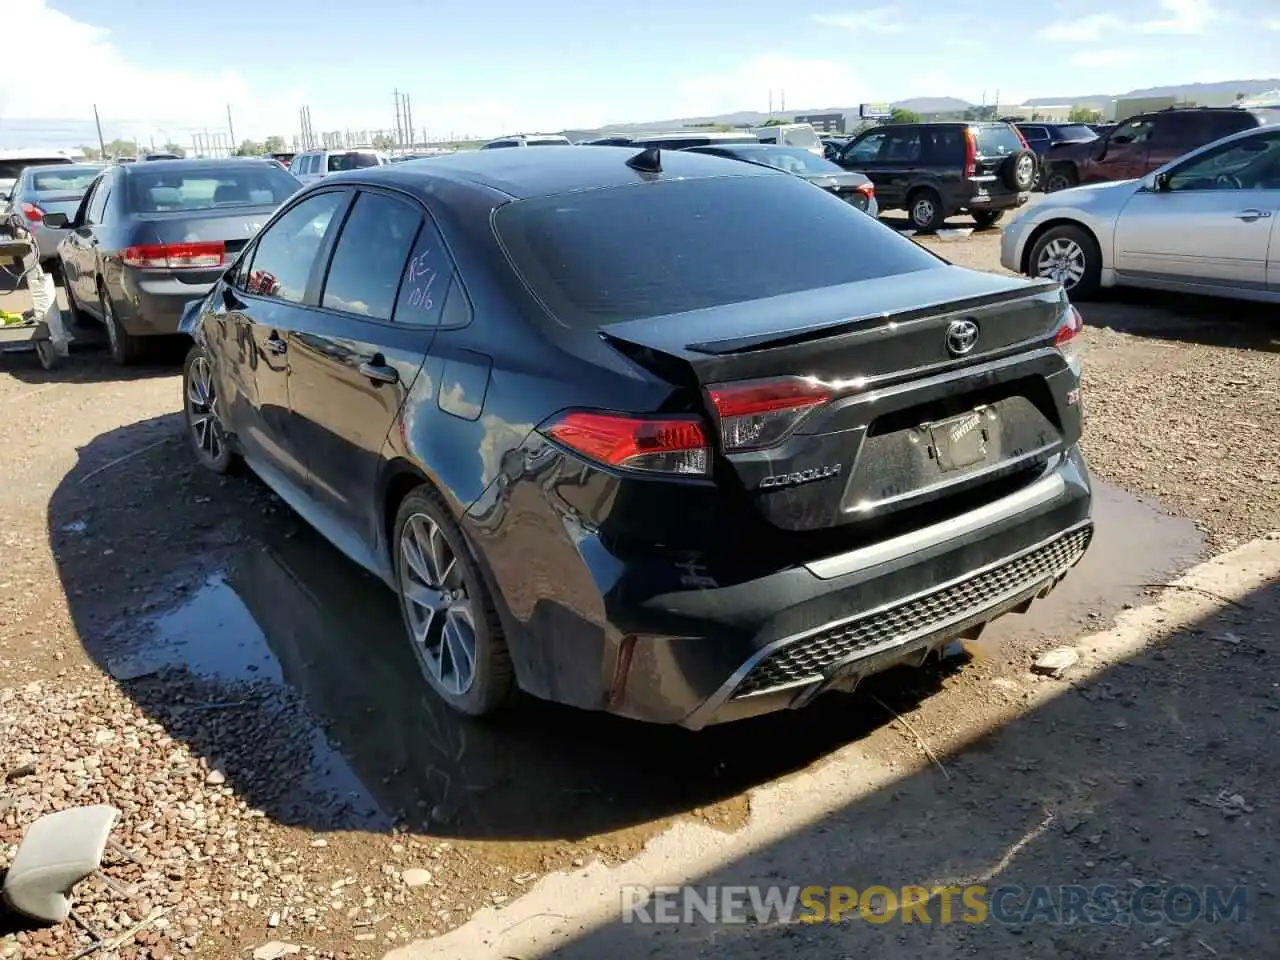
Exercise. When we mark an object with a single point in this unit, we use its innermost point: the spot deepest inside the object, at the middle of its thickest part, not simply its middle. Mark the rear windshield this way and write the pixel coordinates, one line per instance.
(351, 161)
(998, 140)
(551, 142)
(199, 186)
(626, 253)
(12, 169)
(795, 160)
(63, 179)
(1075, 131)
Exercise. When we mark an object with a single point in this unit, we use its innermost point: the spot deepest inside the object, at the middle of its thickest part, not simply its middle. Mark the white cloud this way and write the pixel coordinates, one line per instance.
(1092, 27)
(874, 20)
(807, 83)
(1272, 24)
(83, 66)
(1188, 17)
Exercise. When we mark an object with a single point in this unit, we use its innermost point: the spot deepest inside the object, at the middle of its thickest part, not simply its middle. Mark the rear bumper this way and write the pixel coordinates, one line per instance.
(996, 201)
(153, 301)
(676, 641)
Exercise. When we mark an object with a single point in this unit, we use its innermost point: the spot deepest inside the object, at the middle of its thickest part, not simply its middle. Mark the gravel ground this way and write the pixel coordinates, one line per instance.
(109, 524)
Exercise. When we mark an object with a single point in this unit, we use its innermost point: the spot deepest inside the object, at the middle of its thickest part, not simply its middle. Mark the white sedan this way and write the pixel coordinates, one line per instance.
(1204, 223)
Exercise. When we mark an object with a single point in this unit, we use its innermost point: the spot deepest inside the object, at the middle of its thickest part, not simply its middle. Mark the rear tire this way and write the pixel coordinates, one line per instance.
(924, 210)
(448, 611)
(205, 430)
(1070, 255)
(986, 218)
(1019, 170)
(126, 349)
(1060, 178)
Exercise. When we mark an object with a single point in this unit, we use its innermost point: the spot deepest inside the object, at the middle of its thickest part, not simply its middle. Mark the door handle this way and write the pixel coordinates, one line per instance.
(378, 371)
(275, 345)
(1248, 216)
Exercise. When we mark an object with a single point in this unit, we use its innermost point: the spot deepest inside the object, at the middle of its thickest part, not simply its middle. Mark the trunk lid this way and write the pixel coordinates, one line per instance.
(233, 226)
(898, 391)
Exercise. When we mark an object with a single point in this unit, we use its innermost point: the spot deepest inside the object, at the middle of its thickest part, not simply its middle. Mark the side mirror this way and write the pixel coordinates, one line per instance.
(56, 221)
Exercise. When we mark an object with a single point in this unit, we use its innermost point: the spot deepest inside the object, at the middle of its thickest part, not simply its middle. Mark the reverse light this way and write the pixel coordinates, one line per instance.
(761, 413)
(1064, 339)
(665, 445)
(173, 256)
(33, 213)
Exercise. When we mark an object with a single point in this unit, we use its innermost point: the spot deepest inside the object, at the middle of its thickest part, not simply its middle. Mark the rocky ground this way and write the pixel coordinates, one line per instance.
(230, 849)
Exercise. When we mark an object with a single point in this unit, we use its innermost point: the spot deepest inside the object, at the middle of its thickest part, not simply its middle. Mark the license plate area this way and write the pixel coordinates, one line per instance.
(965, 440)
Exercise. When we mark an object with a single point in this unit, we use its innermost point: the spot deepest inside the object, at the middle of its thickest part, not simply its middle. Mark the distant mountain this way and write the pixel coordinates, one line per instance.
(1187, 91)
(932, 105)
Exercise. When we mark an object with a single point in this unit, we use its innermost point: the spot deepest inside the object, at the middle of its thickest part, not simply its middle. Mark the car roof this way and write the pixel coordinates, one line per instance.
(522, 174)
(187, 164)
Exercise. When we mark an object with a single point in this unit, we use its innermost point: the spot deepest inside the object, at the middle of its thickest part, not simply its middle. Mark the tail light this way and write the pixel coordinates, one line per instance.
(868, 190)
(33, 213)
(1064, 339)
(662, 445)
(970, 152)
(762, 413)
(1021, 139)
(172, 256)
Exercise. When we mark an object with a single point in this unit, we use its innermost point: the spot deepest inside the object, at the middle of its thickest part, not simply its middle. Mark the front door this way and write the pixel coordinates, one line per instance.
(1213, 224)
(357, 356)
(1124, 153)
(82, 244)
(265, 304)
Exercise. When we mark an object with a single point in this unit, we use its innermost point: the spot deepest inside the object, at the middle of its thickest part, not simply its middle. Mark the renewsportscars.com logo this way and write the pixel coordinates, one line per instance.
(1008, 904)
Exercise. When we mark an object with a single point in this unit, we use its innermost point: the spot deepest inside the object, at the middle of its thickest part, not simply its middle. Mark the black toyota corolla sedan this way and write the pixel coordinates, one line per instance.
(612, 443)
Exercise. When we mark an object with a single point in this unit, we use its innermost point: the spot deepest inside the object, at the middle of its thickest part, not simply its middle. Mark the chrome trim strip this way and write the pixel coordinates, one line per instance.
(699, 717)
(1040, 492)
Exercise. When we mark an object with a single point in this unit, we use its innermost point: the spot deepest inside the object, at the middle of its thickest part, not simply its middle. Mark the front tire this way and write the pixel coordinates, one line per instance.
(126, 349)
(924, 208)
(1070, 255)
(448, 612)
(986, 218)
(205, 431)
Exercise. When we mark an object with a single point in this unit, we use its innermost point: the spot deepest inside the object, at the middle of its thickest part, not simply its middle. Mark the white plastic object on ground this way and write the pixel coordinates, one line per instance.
(44, 297)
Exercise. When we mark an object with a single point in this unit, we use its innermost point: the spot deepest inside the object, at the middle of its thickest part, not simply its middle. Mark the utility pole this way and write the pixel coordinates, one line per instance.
(783, 108)
(230, 129)
(408, 120)
(771, 102)
(102, 144)
(396, 94)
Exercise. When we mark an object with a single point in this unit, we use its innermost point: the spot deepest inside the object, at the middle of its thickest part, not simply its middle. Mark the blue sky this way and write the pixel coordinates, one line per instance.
(483, 68)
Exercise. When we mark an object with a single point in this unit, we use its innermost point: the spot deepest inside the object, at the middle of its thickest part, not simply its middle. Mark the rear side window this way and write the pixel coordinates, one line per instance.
(1228, 122)
(943, 145)
(370, 256)
(1035, 134)
(1074, 131)
(998, 140)
(428, 279)
(623, 253)
(98, 202)
(902, 146)
(197, 186)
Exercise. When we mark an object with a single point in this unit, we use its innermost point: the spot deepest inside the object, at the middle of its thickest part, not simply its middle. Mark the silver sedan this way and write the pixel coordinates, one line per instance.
(1204, 223)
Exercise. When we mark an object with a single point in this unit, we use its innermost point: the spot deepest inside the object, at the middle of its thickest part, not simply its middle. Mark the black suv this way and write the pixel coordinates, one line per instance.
(936, 170)
(1145, 142)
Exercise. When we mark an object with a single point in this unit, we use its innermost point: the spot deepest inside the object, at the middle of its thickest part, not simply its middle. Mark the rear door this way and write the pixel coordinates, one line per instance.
(81, 259)
(863, 155)
(1213, 225)
(899, 164)
(1124, 155)
(268, 301)
(354, 359)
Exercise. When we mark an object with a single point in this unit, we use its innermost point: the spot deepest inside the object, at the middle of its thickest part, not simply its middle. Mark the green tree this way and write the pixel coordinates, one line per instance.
(274, 145)
(91, 153)
(122, 148)
(383, 141)
(898, 115)
(1084, 115)
(176, 150)
(772, 122)
(249, 148)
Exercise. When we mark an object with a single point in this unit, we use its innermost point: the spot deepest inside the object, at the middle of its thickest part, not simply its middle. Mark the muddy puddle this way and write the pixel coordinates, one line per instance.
(288, 645)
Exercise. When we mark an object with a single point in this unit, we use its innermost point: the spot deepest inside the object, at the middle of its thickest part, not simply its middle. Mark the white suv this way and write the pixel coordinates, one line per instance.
(529, 140)
(317, 164)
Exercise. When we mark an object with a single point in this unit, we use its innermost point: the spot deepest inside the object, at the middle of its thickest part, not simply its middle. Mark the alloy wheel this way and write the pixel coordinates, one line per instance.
(1026, 170)
(206, 429)
(109, 321)
(437, 605)
(922, 211)
(1057, 182)
(1063, 260)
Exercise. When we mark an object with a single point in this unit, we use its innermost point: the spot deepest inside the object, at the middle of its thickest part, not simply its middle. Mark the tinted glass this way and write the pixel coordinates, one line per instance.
(370, 256)
(902, 146)
(791, 159)
(1181, 130)
(1034, 134)
(62, 179)
(287, 249)
(866, 149)
(1249, 164)
(12, 169)
(622, 253)
(1133, 131)
(551, 142)
(351, 161)
(1228, 122)
(1073, 131)
(998, 140)
(98, 202)
(198, 186)
(943, 145)
(427, 280)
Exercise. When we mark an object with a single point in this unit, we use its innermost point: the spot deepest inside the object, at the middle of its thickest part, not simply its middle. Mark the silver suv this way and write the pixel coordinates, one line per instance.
(316, 164)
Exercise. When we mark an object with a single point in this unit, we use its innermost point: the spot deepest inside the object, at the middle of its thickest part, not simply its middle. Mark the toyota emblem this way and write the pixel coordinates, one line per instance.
(962, 337)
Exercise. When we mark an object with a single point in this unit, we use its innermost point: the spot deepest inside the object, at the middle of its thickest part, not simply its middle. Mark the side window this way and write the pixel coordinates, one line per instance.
(287, 250)
(296, 164)
(944, 145)
(1249, 164)
(370, 256)
(1133, 131)
(98, 205)
(1035, 134)
(82, 211)
(429, 295)
(1181, 130)
(865, 150)
(903, 146)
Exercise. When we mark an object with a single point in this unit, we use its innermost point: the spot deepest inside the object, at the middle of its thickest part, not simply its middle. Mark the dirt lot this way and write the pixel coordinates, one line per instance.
(186, 649)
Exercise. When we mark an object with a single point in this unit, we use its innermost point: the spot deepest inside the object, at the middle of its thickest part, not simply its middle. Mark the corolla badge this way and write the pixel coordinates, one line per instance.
(961, 337)
(800, 476)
